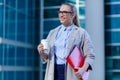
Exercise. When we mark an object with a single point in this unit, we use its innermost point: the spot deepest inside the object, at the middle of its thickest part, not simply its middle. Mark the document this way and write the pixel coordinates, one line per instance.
(76, 60)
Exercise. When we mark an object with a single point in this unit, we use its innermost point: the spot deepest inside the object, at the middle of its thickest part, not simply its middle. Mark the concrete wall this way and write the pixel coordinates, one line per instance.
(95, 27)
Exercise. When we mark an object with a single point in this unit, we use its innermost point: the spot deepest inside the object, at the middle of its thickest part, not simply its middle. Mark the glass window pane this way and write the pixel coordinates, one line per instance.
(51, 13)
(82, 23)
(11, 3)
(21, 4)
(82, 11)
(1, 21)
(111, 0)
(9, 75)
(112, 9)
(112, 22)
(112, 37)
(53, 2)
(109, 64)
(112, 51)
(30, 75)
(20, 75)
(116, 64)
(50, 24)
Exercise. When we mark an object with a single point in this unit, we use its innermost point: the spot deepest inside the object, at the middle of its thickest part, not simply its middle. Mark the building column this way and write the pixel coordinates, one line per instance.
(95, 27)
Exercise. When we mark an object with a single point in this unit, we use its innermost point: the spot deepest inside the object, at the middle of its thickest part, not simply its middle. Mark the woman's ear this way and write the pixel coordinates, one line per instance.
(73, 15)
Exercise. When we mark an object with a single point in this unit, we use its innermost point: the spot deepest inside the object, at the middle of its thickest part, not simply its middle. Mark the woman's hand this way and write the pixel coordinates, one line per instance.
(40, 48)
(82, 70)
(41, 52)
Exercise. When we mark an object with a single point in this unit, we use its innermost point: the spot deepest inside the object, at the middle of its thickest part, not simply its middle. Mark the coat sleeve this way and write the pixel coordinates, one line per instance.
(48, 38)
(88, 49)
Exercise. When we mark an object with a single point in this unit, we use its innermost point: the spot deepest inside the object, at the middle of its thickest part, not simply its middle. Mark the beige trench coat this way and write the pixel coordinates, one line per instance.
(79, 37)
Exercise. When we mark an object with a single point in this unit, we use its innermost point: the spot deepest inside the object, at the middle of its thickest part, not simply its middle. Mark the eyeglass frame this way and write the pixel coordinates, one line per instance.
(65, 12)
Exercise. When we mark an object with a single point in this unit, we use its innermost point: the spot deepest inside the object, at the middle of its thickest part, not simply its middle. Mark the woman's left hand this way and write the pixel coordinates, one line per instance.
(80, 72)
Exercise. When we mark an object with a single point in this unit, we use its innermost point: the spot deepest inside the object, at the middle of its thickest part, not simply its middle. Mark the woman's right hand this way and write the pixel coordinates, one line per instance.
(41, 51)
(40, 48)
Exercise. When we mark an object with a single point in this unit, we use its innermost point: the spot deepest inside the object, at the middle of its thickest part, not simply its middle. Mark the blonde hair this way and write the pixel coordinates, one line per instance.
(74, 10)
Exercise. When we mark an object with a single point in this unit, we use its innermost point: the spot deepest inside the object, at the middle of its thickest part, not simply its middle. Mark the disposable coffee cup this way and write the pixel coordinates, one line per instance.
(45, 44)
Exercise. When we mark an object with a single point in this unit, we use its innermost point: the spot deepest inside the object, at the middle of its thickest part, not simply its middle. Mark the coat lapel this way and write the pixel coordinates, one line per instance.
(54, 35)
(71, 40)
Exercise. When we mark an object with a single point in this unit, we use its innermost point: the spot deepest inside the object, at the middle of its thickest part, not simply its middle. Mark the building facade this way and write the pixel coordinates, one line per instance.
(112, 39)
(23, 23)
(18, 34)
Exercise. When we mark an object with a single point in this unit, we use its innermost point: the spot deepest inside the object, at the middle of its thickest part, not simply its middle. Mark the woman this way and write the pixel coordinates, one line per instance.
(61, 41)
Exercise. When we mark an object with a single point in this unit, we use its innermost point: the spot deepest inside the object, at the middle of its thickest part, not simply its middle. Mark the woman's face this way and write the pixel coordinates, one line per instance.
(66, 15)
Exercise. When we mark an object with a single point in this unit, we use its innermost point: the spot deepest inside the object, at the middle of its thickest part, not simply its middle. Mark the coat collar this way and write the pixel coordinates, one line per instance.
(71, 37)
(71, 40)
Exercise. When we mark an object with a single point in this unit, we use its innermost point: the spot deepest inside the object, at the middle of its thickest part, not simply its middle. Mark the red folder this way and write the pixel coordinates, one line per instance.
(76, 60)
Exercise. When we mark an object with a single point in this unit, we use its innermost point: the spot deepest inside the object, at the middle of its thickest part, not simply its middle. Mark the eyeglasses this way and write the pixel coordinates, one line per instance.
(65, 12)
